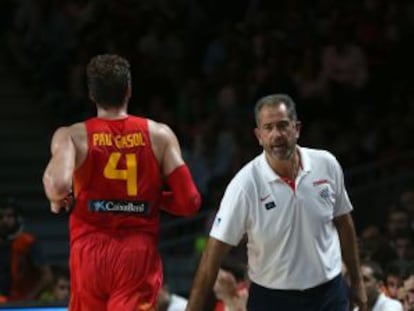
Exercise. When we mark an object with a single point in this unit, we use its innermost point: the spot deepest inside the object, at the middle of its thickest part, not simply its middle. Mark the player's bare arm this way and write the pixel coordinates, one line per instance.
(183, 199)
(66, 155)
(57, 178)
(166, 147)
(206, 273)
(347, 236)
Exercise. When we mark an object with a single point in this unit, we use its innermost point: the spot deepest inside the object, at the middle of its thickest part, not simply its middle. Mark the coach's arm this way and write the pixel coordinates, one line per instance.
(347, 236)
(206, 273)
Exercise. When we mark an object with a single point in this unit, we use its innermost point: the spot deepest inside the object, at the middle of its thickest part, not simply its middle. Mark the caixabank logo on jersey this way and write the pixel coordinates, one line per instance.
(117, 206)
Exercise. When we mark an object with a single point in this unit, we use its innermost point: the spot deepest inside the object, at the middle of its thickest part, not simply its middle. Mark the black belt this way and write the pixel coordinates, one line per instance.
(311, 290)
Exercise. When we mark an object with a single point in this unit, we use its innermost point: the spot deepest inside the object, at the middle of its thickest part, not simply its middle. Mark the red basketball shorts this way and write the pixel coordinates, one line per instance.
(121, 272)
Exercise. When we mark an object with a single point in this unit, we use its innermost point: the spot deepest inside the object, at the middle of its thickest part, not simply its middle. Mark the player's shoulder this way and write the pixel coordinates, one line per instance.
(73, 130)
(160, 130)
(77, 129)
(79, 126)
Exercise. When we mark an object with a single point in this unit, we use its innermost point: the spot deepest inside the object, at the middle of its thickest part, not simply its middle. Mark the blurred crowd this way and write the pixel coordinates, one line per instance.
(200, 65)
(25, 272)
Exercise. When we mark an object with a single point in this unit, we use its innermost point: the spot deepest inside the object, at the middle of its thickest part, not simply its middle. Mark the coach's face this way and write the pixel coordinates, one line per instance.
(276, 132)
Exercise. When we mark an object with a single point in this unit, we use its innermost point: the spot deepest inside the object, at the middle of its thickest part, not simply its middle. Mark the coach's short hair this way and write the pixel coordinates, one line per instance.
(276, 100)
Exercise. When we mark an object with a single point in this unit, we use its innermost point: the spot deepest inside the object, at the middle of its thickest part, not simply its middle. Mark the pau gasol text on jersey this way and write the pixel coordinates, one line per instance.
(119, 141)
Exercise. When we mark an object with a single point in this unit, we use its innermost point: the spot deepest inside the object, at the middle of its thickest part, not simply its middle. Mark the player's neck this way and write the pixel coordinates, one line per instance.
(112, 113)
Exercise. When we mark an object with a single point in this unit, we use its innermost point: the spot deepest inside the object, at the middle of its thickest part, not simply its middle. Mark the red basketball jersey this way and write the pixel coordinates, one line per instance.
(119, 184)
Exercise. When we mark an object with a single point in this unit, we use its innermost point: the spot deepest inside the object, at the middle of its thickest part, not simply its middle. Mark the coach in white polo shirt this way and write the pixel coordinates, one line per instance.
(292, 204)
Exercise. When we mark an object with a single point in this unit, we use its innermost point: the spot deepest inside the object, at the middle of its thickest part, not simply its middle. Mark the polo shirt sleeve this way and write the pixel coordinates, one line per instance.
(229, 224)
(342, 203)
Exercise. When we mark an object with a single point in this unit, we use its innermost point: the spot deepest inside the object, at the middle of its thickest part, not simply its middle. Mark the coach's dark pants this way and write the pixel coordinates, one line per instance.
(330, 296)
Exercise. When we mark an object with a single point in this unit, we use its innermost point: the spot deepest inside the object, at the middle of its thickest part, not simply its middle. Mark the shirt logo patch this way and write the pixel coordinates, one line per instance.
(270, 205)
(136, 207)
(324, 193)
(320, 182)
(217, 221)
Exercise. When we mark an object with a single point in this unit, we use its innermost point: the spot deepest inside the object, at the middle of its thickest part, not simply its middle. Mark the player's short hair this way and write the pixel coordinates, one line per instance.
(275, 100)
(108, 78)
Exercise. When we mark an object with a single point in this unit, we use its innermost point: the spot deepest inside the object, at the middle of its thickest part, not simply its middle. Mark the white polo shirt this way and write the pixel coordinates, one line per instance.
(385, 303)
(292, 241)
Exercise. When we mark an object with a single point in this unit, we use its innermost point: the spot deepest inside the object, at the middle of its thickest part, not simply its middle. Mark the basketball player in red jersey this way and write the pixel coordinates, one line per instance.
(117, 164)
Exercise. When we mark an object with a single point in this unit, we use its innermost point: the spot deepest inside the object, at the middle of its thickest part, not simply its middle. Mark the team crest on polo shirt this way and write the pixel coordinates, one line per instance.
(217, 221)
(324, 193)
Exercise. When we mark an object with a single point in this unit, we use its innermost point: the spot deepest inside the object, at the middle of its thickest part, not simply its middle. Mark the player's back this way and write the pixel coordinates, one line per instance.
(119, 184)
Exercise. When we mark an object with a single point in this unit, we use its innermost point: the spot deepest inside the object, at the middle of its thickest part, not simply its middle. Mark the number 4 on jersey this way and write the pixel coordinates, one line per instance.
(129, 174)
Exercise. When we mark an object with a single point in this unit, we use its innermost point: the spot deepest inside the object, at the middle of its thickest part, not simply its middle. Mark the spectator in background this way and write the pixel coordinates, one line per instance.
(231, 286)
(24, 272)
(231, 295)
(406, 201)
(345, 70)
(375, 246)
(59, 289)
(265, 38)
(404, 246)
(373, 282)
(392, 280)
(407, 294)
(311, 83)
(397, 222)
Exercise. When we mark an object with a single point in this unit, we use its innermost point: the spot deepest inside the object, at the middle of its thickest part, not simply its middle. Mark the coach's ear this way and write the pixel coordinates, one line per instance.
(298, 126)
(258, 136)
